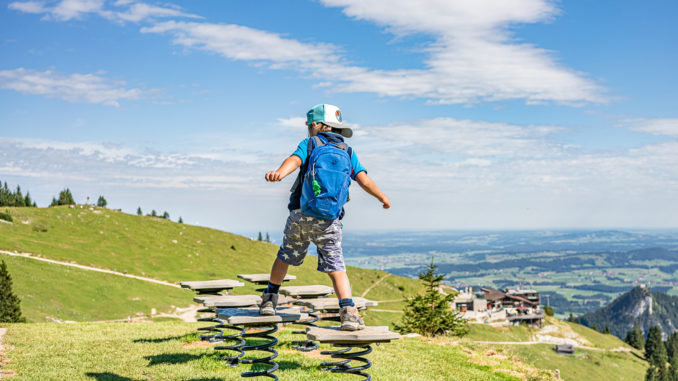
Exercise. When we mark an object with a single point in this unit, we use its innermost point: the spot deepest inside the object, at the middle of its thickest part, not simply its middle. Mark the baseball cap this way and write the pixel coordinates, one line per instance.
(329, 115)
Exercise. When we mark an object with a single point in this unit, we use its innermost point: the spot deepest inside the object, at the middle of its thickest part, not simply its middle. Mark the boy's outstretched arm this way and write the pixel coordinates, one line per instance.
(370, 187)
(288, 166)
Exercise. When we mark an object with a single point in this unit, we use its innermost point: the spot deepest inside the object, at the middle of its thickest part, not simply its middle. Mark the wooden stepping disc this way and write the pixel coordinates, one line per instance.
(307, 291)
(263, 278)
(332, 304)
(221, 301)
(250, 316)
(211, 285)
(334, 335)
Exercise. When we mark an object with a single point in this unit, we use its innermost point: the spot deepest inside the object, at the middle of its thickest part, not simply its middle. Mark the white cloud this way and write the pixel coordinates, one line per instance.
(243, 43)
(658, 126)
(474, 56)
(468, 138)
(90, 88)
(140, 11)
(28, 6)
(75, 9)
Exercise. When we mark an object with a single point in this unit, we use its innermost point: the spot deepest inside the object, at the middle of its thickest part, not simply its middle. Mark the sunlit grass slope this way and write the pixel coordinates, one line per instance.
(608, 359)
(169, 251)
(54, 292)
(169, 351)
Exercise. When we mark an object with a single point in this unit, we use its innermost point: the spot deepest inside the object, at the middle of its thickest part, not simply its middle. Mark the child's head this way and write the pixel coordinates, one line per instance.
(316, 128)
(326, 118)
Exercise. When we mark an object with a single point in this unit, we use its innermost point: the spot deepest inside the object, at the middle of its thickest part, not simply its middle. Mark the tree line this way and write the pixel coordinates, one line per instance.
(15, 198)
(662, 356)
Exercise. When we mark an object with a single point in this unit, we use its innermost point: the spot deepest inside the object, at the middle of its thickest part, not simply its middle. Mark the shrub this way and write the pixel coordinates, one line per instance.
(6, 216)
(430, 314)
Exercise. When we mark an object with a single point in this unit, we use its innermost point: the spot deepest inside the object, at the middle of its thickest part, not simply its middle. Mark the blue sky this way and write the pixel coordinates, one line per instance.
(480, 114)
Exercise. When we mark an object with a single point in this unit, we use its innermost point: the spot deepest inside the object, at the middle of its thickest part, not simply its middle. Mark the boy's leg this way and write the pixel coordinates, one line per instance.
(292, 252)
(341, 284)
(331, 261)
(278, 272)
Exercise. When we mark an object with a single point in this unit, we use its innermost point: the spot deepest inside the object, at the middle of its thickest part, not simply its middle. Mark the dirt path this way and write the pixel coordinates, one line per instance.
(89, 268)
(375, 283)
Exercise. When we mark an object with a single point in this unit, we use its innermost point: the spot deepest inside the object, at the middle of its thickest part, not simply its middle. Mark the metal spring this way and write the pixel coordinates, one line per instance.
(216, 334)
(232, 361)
(306, 345)
(344, 366)
(263, 332)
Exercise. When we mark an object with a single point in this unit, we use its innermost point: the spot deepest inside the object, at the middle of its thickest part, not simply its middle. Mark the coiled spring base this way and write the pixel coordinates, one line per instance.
(345, 365)
(262, 332)
(306, 345)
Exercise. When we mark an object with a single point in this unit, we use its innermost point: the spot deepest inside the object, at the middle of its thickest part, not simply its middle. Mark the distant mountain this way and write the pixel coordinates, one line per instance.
(641, 305)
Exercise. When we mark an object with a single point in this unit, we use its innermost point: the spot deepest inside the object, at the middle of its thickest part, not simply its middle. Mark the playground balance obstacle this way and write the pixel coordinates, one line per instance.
(236, 319)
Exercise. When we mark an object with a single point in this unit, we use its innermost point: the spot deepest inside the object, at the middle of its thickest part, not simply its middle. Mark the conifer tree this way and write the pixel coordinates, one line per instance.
(181, 220)
(101, 202)
(139, 212)
(595, 328)
(65, 198)
(259, 238)
(165, 215)
(655, 351)
(268, 238)
(19, 198)
(10, 308)
(27, 200)
(154, 213)
(430, 314)
(672, 346)
(606, 330)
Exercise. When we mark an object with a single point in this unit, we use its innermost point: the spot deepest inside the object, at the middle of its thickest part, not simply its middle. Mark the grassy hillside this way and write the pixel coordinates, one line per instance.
(600, 357)
(54, 292)
(169, 351)
(168, 251)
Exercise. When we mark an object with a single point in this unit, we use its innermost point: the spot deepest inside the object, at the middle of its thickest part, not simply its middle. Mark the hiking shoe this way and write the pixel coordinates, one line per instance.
(350, 319)
(268, 304)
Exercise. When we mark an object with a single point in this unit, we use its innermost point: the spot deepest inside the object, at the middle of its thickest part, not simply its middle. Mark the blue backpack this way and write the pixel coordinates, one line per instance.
(325, 186)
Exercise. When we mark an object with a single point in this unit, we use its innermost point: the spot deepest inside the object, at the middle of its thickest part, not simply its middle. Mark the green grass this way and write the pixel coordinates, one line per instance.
(483, 332)
(585, 364)
(166, 250)
(169, 351)
(50, 291)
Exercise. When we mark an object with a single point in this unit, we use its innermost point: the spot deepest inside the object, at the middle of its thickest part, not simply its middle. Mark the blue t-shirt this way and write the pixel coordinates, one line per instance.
(302, 152)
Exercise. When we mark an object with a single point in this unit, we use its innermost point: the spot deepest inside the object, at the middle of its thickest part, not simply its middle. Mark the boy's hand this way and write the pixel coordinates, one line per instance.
(386, 201)
(273, 176)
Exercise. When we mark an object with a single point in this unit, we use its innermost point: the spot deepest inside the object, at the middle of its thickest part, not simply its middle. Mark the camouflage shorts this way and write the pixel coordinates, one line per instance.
(301, 230)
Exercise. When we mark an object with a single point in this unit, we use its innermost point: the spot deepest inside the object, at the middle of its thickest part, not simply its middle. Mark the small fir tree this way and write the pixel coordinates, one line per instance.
(259, 238)
(154, 213)
(139, 212)
(637, 337)
(101, 202)
(268, 238)
(181, 220)
(430, 314)
(606, 330)
(66, 197)
(10, 308)
(548, 310)
(165, 215)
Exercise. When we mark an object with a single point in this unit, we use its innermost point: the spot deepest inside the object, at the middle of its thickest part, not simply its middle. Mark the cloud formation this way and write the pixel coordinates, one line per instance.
(658, 126)
(90, 88)
(473, 58)
(66, 10)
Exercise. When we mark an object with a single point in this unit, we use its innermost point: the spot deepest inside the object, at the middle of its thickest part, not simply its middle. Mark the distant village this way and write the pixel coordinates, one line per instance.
(497, 307)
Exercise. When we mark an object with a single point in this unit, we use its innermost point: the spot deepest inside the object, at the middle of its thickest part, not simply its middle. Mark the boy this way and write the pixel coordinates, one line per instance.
(325, 122)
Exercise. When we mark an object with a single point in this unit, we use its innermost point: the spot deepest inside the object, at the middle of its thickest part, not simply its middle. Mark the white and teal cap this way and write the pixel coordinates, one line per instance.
(329, 115)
